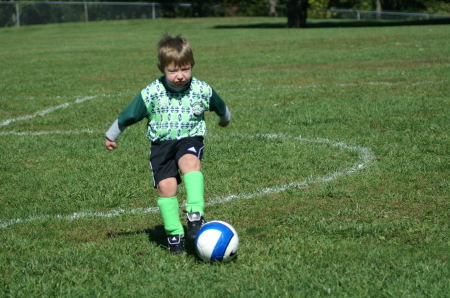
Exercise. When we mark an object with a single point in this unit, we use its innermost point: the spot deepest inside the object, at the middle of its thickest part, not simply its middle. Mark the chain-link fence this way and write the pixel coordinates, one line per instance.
(17, 13)
(40, 12)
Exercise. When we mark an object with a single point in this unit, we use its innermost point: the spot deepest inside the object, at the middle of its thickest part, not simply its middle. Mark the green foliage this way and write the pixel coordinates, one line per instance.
(430, 6)
(354, 4)
(437, 7)
(334, 169)
(314, 5)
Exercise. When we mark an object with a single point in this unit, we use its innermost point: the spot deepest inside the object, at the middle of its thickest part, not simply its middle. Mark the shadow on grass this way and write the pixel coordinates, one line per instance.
(339, 23)
(158, 236)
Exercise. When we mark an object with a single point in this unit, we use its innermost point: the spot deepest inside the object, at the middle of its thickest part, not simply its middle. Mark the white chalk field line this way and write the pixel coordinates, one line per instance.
(54, 132)
(46, 111)
(365, 157)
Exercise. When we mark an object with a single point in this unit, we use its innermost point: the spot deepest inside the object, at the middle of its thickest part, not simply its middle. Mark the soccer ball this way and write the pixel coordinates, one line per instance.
(217, 241)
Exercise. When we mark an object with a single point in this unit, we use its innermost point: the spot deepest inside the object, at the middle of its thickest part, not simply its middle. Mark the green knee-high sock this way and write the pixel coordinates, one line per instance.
(194, 189)
(170, 215)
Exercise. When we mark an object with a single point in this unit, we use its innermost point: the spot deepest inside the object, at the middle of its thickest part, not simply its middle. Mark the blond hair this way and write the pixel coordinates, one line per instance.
(174, 49)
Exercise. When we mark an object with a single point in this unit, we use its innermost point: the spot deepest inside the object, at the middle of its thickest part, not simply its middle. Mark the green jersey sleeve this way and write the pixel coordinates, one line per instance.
(217, 105)
(134, 112)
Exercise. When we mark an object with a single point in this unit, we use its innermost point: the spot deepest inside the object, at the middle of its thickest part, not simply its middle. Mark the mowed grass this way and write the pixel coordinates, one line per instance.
(334, 171)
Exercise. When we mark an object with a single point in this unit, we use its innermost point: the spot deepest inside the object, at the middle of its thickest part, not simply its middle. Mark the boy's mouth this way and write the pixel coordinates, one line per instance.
(178, 84)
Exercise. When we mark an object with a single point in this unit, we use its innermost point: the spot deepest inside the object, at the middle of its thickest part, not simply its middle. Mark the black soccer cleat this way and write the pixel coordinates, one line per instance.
(194, 221)
(175, 243)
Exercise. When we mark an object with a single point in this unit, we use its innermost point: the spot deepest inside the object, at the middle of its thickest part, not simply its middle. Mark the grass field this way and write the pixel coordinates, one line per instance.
(335, 170)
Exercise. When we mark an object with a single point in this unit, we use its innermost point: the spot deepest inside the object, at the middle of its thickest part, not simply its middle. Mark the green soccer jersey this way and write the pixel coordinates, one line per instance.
(174, 114)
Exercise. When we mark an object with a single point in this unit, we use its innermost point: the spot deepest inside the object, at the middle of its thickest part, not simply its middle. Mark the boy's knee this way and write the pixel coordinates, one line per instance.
(167, 188)
(189, 163)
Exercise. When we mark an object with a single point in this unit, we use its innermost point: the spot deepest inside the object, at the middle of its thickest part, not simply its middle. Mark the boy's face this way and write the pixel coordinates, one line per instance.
(178, 76)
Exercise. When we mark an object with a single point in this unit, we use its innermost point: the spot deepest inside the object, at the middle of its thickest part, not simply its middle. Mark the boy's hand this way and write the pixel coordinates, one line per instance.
(110, 145)
(224, 124)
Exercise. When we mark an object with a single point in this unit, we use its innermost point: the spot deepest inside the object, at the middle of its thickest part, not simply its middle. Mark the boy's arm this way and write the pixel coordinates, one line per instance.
(225, 119)
(133, 113)
(112, 134)
(114, 131)
(218, 106)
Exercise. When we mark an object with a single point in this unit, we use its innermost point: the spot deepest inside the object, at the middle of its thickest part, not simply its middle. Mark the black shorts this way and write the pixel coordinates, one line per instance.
(164, 157)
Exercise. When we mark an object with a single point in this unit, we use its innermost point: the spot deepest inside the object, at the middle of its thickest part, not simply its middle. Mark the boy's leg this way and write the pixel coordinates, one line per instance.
(166, 179)
(172, 225)
(194, 184)
(195, 203)
(189, 162)
(168, 206)
(189, 157)
(170, 215)
(190, 166)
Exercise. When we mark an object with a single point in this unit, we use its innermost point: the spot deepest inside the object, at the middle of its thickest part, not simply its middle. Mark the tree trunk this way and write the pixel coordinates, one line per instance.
(297, 10)
(379, 9)
(273, 8)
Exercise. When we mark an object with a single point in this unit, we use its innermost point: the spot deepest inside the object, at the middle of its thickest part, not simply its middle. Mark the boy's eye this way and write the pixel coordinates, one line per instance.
(172, 70)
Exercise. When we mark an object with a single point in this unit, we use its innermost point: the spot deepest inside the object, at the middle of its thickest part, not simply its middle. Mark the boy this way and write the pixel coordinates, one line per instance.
(174, 105)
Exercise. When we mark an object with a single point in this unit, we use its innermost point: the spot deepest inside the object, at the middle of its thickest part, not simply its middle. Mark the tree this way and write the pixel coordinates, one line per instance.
(379, 9)
(273, 8)
(297, 12)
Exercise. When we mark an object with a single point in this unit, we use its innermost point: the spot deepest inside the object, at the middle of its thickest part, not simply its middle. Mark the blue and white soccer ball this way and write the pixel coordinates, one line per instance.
(217, 241)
